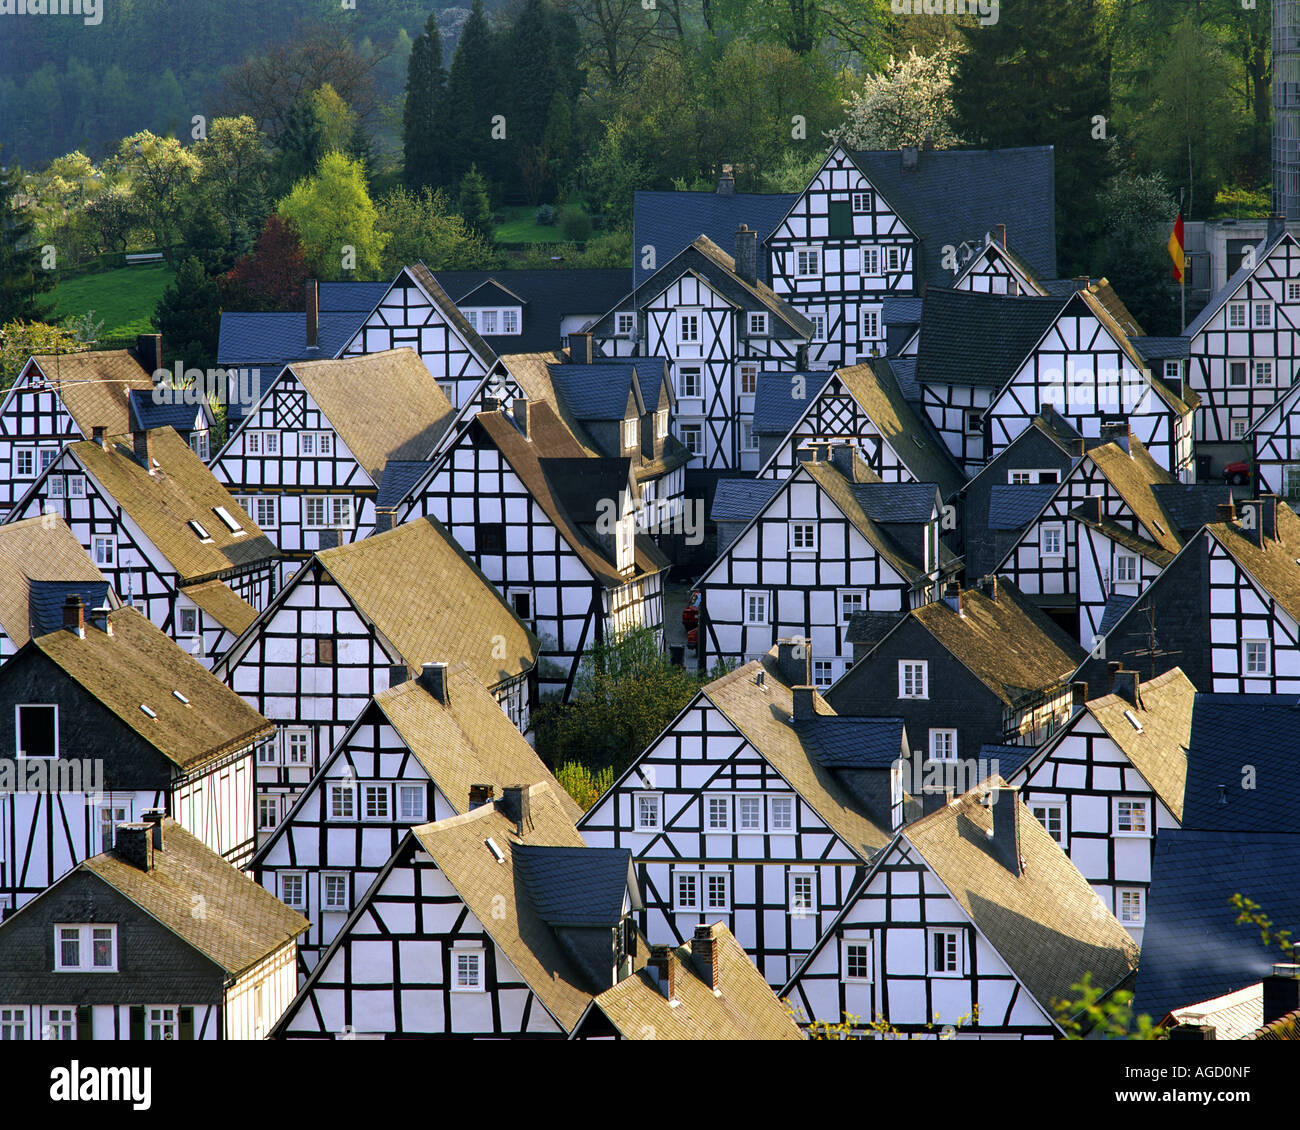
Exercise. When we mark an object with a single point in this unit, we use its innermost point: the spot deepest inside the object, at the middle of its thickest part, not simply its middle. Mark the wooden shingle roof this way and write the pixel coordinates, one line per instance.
(137, 666)
(201, 898)
(218, 600)
(1273, 564)
(426, 597)
(95, 386)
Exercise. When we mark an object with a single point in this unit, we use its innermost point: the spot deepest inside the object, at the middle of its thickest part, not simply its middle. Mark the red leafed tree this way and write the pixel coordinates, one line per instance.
(272, 275)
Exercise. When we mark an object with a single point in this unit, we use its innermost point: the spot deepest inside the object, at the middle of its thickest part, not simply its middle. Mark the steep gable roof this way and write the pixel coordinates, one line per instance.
(738, 500)
(967, 338)
(95, 386)
(382, 405)
(1272, 565)
(776, 407)
(1239, 277)
(241, 924)
(599, 391)
(37, 555)
(195, 717)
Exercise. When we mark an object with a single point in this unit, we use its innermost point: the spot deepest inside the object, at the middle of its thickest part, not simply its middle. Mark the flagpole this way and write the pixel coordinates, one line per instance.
(1182, 281)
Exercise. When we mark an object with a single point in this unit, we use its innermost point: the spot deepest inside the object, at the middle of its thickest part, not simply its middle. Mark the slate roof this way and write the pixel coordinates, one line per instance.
(1192, 948)
(897, 502)
(94, 386)
(1116, 605)
(145, 415)
(138, 666)
(426, 597)
(599, 391)
(272, 340)
(382, 405)
(1005, 759)
(1162, 348)
(1012, 506)
(901, 311)
(1228, 731)
(1044, 921)
(1192, 505)
(241, 924)
(738, 500)
(424, 279)
(181, 489)
(776, 410)
(979, 339)
(351, 296)
(745, 1008)
(853, 743)
(903, 370)
(1015, 187)
(400, 477)
(869, 628)
(37, 558)
(669, 221)
(576, 886)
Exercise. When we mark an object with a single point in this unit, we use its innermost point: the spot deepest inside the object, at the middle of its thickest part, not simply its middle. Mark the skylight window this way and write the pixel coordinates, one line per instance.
(180, 697)
(1132, 720)
(497, 853)
(197, 527)
(227, 519)
(148, 713)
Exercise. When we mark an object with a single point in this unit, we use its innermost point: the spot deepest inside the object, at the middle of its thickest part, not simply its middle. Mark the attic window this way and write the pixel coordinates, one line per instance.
(1132, 720)
(148, 713)
(227, 519)
(180, 697)
(497, 853)
(197, 527)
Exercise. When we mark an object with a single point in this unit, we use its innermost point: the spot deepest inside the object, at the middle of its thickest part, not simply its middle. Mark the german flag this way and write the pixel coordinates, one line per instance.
(1176, 250)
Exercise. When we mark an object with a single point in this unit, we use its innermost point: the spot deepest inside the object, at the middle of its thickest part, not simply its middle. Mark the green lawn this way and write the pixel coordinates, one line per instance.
(123, 299)
(522, 227)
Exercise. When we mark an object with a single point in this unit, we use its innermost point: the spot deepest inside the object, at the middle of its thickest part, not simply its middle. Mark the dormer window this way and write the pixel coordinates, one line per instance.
(625, 538)
(630, 429)
(661, 424)
(510, 321)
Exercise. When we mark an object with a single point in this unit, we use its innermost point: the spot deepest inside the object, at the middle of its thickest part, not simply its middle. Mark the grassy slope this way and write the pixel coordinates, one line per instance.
(522, 227)
(124, 299)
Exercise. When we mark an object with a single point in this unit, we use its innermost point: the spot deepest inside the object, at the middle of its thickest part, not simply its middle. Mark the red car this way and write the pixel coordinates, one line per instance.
(1238, 474)
(691, 613)
(693, 638)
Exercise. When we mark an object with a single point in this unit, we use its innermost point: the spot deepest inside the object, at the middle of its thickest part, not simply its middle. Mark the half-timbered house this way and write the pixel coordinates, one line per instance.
(170, 406)
(971, 924)
(492, 924)
(164, 532)
(1226, 609)
(1273, 443)
(553, 527)
(310, 460)
(757, 807)
(58, 399)
(831, 541)
(980, 666)
(419, 752)
(1106, 783)
(102, 719)
(158, 938)
(862, 404)
(718, 325)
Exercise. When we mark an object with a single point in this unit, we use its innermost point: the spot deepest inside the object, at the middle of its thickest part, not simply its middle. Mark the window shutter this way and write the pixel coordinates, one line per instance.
(137, 1022)
(840, 219)
(85, 1022)
(187, 1023)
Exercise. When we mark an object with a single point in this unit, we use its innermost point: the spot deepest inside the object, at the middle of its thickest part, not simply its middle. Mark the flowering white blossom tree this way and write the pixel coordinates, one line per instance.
(910, 101)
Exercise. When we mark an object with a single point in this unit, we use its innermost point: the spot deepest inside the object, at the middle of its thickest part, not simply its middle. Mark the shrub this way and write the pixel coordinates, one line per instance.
(580, 784)
(546, 215)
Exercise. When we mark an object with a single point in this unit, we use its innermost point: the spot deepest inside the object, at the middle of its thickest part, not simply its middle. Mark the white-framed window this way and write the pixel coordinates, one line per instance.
(851, 601)
(688, 327)
(1051, 540)
(693, 438)
(54, 484)
(912, 675)
(686, 890)
(756, 611)
(1293, 290)
(111, 814)
(316, 443)
(803, 893)
(857, 960)
(328, 512)
(410, 804)
(85, 948)
(823, 672)
(341, 801)
(293, 889)
(1130, 905)
(807, 262)
(187, 622)
(510, 320)
(757, 323)
(717, 890)
(1263, 315)
(871, 324)
(466, 970)
(717, 814)
(748, 437)
(893, 259)
(1173, 370)
(1255, 657)
(1263, 372)
(1237, 427)
(199, 443)
(861, 201)
(974, 422)
(1236, 373)
(943, 745)
(521, 600)
(661, 424)
(1051, 817)
(103, 549)
(945, 953)
(263, 509)
(36, 729)
(1126, 568)
(631, 428)
(625, 323)
(818, 320)
(749, 813)
(780, 815)
(13, 1024)
(334, 891)
(870, 260)
(1236, 315)
(161, 1022)
(688, 381)
(803, 537)
(471, 316)
(24, 462)
(268, 812)
(375, 802)
(76, 486)
(60, 1023)
(297, 747)
(649, 809)
(488, 322)
(747, 373)
(1132, 816)
(262, 443)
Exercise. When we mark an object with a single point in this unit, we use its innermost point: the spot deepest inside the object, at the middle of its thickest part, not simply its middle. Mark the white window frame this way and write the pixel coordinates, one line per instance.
(1042, 810)
(794, 877)
(165, 1019)
(1237, 426)
(380, 789)
(76, 486)
(860, 202)
(820, 320)
(345, 790)
(661, 424)
(958, 954)
(25, 462)
(858, 942)
(479, 959)
(1125, 917)
(1264, 322)
(693, 374)
(908, 676)
(184, 613)
(1293, 290)
(624, 323)
(263, 442)
(757, 323)
(680, 877)
(747, 375)
(1238, 369)
(631, 430)
(19, 707)
(14, 1024)
(1236, 316)
(823, 672)
(268, 804)
(1126, 568)
(803, 538)
(1173, 370)
(688, 326)
(763, 598)
(1051, 534)
(516, 591)
(807, 262)
(59, 1018)
(692, 436)
(328, 905)
(86, 932)
(292, 745)
(857, 596)
(199, 443)
(749, 814)
(1134, 804)
(1262, 374)
(776, 823)
(871, 261)
(283, 881)
(973, 421)
(100, 542)
(1249, 649)
(510, 321)
(943, 744)
(707, 878)
(716, 806)
(407, 812)
(654, 800)
(871, 323)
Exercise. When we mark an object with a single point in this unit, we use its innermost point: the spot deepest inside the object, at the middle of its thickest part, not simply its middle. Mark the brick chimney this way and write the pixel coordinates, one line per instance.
(480, 795)
(1226, 512)
(1005, 832)
(514, 805)
(433, 678)
(1128, 686)
(663, 964)
(704, 948)
(134, 843)
(312, 301)
(1281, 991)
(794, 661)
(804, 707)
(726, 182)
(154, 818)
(747, 254)
(989, 586)
(142, 449)
(74, 615)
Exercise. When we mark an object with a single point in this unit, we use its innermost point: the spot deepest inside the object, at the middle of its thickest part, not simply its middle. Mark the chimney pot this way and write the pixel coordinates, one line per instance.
(433, 678)
(134, 843)
(705, 951)
(74, 615)
(726, 182)
(989, 586)
(1281, 991)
